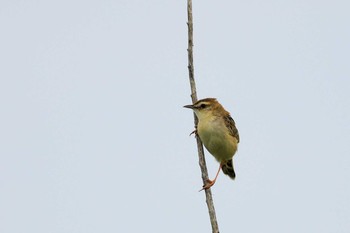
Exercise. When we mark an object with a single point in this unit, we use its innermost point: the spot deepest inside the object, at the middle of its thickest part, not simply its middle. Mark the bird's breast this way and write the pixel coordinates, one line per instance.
(216, 138)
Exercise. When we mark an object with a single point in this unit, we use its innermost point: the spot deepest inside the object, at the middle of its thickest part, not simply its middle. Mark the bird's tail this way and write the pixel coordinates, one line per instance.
(227, 168)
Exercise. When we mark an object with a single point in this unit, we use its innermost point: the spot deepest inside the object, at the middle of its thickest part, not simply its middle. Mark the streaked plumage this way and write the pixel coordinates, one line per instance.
(217, 130)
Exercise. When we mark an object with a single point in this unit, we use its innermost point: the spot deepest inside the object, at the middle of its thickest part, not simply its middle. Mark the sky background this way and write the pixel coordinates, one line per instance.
(94, 137)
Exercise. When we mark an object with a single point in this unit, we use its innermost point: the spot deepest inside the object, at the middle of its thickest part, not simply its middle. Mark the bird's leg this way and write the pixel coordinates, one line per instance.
(210, 183)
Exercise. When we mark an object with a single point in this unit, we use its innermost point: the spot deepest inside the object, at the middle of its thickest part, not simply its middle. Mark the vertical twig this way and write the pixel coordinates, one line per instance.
(202, 164)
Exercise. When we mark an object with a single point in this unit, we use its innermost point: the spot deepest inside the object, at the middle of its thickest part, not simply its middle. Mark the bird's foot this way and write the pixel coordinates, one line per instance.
(207, 184)
(194, 132)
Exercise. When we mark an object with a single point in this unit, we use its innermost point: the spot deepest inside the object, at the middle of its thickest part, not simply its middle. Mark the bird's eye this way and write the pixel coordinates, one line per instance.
(203, 105)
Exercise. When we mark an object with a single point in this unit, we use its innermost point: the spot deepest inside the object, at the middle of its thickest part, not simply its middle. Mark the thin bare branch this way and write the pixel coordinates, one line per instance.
(202, 164)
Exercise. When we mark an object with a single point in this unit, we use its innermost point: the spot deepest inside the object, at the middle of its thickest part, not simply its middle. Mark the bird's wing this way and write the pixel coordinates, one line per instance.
(231, 125)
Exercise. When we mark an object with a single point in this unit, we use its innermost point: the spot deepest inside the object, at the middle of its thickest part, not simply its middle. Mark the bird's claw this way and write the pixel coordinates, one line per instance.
(207, 185)
(194, 132)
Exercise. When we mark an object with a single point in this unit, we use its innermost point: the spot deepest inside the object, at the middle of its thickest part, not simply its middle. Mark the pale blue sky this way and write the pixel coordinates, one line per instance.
(94, 137)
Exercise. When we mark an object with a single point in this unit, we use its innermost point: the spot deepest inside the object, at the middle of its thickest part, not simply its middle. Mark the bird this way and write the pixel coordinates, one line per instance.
(217, 130)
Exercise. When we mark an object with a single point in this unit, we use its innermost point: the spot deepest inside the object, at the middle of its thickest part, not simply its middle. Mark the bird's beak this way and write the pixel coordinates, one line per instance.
(189, 106)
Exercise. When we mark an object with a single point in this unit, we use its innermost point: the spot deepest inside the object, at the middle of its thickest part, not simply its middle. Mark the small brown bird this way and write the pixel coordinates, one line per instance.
(217, 130)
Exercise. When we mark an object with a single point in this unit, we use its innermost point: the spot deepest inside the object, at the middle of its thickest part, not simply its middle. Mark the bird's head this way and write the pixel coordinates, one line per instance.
(205, 107)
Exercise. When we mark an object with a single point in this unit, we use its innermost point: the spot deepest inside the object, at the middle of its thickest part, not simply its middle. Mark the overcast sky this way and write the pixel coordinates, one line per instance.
(94, 137)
